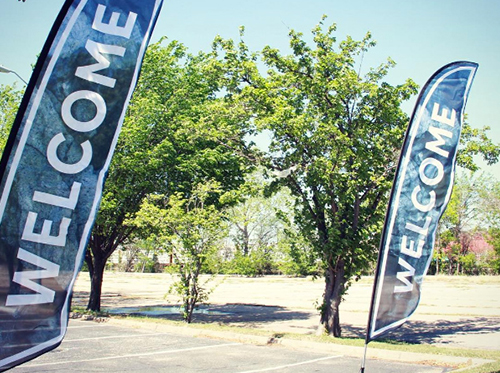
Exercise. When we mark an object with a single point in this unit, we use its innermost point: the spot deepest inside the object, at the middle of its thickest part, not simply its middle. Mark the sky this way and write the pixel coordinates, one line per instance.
(420, 36)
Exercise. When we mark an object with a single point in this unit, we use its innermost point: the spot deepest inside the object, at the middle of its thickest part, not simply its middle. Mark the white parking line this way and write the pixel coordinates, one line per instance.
(82, 326)
(292, 365)
(114, 357)
(130, 336)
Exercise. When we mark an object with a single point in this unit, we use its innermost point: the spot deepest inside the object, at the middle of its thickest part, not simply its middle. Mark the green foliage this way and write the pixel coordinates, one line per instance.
(257, 220)
(475, 142)
(494, 240)
(299, 259)
(465, 209)
(190, 229)
(471, 214)
(182, 129)
(469, 265)
(491, 204)
(10, 99)
(147, 263)
(339, 134)
(264, 237)
(177, 133)
(259, 262)
(336, 136)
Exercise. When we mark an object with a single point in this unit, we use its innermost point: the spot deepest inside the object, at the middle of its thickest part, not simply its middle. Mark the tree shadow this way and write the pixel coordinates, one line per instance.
(240, 314)
(440, 331)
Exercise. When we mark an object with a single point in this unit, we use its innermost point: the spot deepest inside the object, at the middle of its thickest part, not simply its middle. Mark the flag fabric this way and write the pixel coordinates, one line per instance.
(420, 193)
(55, 163)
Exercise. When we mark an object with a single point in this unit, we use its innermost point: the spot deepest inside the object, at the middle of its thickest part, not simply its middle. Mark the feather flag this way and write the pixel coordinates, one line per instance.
(55, 163)
(420, 193)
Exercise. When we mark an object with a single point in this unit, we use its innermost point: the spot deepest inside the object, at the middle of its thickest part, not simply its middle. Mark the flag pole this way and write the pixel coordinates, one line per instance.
(363, 363)
(377, 274)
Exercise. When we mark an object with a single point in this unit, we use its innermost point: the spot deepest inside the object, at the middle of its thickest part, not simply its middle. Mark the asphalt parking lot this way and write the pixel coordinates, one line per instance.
(106, 347)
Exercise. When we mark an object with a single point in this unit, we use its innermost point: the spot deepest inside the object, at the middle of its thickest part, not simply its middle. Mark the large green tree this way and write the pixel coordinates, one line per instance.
(342, 132)
(336, 136)
(182, 129)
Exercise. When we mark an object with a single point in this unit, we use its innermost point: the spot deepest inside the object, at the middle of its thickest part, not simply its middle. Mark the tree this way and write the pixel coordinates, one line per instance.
(472, 212)
(491, 204)
(491, 207)
(336, 137)
(263, 234)
(337, 133)
(475, 142)
(461, 218)
(254, 221)
(342, 132)
(190, 230)
(494, 240)
(181, 129)
(253, 231)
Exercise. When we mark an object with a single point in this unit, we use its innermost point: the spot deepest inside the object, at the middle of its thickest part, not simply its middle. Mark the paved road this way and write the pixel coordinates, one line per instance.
(104, 347)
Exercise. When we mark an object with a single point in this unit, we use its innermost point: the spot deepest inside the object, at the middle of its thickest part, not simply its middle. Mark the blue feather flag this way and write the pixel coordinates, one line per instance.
(421, 190)
(55, 163)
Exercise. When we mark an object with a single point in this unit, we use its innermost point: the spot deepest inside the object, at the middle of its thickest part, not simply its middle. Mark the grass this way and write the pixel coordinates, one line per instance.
(83, 311)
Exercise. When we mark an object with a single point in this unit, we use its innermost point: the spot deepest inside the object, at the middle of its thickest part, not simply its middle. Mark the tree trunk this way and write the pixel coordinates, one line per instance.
(187, 314)
(334, 289)
(96, 277)
(191, 295)
(246, 241)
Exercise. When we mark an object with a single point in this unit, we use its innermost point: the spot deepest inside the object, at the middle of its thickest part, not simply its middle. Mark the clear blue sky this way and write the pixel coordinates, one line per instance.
(421, 36)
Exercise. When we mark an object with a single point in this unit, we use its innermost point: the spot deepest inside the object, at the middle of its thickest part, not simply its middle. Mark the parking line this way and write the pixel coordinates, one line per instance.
(134, 355)
(292, 365)
(130, 336)
(82, 326)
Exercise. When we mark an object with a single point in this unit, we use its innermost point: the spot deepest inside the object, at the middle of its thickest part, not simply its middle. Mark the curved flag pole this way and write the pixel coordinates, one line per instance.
(55, 163)
(421, 190)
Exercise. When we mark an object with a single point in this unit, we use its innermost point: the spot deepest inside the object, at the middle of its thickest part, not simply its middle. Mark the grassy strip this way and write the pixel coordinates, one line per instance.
(485, 368)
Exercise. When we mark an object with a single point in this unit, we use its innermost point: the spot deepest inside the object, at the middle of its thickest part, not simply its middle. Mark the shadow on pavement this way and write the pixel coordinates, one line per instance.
(438, 331)
(231, 313)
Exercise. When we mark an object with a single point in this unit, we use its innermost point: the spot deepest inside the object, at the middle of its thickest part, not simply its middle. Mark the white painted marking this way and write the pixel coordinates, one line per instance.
(83, 326)
(114, 357)
(293, 365)
(129, 336)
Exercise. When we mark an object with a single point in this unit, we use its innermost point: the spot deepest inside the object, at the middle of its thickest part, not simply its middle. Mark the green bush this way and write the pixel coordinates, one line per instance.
(257, 263)
(299, 262)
